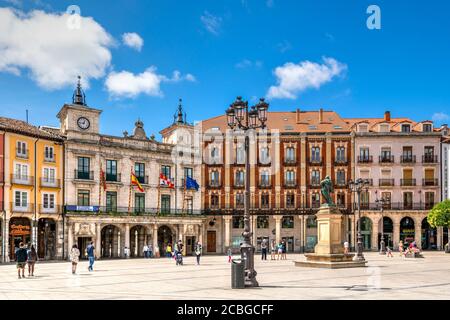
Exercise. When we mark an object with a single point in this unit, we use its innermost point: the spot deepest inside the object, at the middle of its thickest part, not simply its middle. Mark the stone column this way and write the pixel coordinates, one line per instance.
(440, 237)
(303, 241)
(155, 238)
(70, 239)
(59, 239)
(127, 238)
(254, 220)
(396, 233)
(374, 240)
(227, 220)
(418, 234)
(6, 239)
(98, 238)
(300, 220)
(277, 229)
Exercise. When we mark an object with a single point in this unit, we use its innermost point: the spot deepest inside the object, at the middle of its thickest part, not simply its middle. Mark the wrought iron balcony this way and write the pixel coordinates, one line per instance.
(394, 206)
(315, 162)
(365, 159)
(214, 184)
(386, 182)
(49, 182)
(340, 184)
(290, 161)
(142, 179)
(48, 209)
(429, 159)
(314, 184)
(265, 185)
(84, 175)
(430, 182)
(290, 184)
(22, 207)
(407, 182)
(386, 159)
(22, 179)
(407, 159)
(239, 184)
(340, 162)
(113, 177)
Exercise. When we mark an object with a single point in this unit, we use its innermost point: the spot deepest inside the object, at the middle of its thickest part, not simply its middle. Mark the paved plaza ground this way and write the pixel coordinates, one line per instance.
(384, 278)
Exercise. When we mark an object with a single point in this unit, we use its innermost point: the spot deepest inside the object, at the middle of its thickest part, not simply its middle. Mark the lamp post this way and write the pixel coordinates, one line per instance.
(357, 187)
(382, 243)
(240, 118)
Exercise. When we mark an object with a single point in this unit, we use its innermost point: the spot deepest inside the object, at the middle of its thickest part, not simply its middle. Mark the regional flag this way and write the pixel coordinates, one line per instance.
(165, 181)
(191, 184)
(135, 182)
(103, 179)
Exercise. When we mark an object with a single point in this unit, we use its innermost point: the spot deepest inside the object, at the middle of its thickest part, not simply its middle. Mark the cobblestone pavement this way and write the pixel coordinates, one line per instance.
(384, 278)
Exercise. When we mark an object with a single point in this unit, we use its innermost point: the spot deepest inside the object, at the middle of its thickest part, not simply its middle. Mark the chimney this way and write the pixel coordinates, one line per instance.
(321, 115)
(387, 116)
(297, 116)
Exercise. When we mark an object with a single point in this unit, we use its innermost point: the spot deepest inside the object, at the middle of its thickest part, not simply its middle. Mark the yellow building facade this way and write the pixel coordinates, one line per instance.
(33, 189)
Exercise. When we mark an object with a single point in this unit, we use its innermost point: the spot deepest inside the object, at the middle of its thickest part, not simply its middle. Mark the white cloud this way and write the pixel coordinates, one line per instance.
(211, 23)
(133, 40)
(51, 49)
(440, 116)
(294, 78)
(125, 84)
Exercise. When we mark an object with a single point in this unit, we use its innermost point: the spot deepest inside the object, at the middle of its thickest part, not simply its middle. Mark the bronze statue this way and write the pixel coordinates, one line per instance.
(326, 186)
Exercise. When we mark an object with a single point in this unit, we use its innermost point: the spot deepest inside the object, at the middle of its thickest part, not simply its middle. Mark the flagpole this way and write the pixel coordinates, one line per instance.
(129, 195)
(100, 185)
(159, 194)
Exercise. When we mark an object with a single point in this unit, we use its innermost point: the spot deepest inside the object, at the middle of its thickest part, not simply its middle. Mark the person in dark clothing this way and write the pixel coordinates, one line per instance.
(90, 250)
(31, 259)
(21, 258)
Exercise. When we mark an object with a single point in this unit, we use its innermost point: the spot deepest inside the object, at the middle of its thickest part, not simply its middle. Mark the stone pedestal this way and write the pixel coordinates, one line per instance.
(329, 251)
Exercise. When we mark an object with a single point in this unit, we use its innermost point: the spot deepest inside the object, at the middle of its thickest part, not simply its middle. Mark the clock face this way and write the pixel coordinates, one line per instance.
(83, 123)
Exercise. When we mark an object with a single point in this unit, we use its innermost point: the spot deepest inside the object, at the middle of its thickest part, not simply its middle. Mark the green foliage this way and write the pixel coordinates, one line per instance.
(439, 216)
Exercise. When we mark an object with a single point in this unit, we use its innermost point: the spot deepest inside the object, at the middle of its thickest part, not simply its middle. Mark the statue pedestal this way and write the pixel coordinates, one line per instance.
(329, 251)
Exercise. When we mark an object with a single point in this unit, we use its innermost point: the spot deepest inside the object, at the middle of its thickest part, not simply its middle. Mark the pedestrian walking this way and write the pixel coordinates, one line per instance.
(346, 245)
(400, 248)
(264, 249)
(273, 250)
(126, 252)
(284, 249)
(145, 249)
(21, 259)
(91, 255)
(169, 251)
(180, 246)
(150, 251)
(279, 251)
(389, 252)
(229, 255)
(198, 251)
(31, 260)
(74, 257)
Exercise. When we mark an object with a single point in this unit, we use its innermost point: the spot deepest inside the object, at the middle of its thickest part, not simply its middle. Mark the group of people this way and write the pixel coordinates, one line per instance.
(25, 255)
(277, 251)
(405, 249)
(177, 249)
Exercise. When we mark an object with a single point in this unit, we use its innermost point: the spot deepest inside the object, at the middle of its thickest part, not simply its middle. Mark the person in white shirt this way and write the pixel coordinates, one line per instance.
(145, 249)
(346, 245)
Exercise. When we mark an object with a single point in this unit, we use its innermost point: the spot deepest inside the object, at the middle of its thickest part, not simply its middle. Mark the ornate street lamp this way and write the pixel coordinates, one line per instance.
(382, 243)
(239, 117)
(358, 186)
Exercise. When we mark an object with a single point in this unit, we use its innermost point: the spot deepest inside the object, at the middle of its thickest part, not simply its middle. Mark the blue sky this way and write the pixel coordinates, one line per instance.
(208, 52)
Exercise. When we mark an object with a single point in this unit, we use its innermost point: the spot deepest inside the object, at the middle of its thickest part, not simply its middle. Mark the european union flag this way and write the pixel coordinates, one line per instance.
(191, 184)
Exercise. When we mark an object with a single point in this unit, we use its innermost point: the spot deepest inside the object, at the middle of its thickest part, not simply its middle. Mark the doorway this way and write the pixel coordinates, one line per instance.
(164, 238)
(289, 243)
(19, 231)
(46, 239)
(190, 245)
(82, 245)
(211, 239)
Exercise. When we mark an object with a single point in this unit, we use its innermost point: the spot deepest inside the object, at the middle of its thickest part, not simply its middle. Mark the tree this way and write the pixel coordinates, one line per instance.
(439, 216)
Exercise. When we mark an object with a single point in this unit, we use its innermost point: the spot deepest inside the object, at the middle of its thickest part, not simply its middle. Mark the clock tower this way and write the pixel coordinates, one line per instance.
(77, 117)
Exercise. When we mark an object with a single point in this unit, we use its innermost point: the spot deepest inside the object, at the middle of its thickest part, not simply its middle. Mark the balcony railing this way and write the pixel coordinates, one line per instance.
(340, 162)
(214, 184)
(290, 184)
(340, 184)
(395, 206)
(365, 159)
(386, 159)
(429, 159)
(113, 177)
(314, 184)
(407, 182)
(408, 159)
(49, 182)
(22, 179)
(47, 209)
(386, 182)
(265, 185)
(84, 175)
(21, 155)
(142, 179)
(315, 162)
(135, 211)
(48, 158)
(430, 182)
(290, 162)
(239, 184)
(22, 207)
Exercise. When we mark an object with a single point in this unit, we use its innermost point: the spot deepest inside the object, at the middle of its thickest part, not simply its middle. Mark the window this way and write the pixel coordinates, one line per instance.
(239, 178)
(340, 199)
(49, 175)
(386, 154)
(83, 198)
(48, 201)
(386, 199)
(365, 199)
(407, 200)
(214, 200)
(429, 155)
(406, 128)
(21, 171)
(265, 200)
(407, 155)
(83, 168)
(111, 170)
(384, 128)
(429, 177)
(429, 200)
(21, 149)
(340, 154)
(315, 177)
(238, 222)
(139, 203)
(363, 128)
(287, 222)
(20, 199)
(290, 154)
(315, 200)
(262, 222)
(290, 200)
(364, 154)
(240, 154)
(214, 155)
(165, 203)
(139, 171)
(215, 178)
(111, 201)
(188, 172)
(49, 153)
(264, 156)
(315, 154)
(427, 127)
(265, 178)
(239, 199)
(340, 177)
(165, 170)
(290, 177)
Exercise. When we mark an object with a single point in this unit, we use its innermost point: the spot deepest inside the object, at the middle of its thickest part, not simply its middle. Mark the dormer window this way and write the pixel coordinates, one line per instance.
(427, 127)
(406, 128)
(384, 127)
(363, 128)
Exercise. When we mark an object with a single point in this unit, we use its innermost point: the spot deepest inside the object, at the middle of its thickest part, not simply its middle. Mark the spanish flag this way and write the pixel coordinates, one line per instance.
(135, 182)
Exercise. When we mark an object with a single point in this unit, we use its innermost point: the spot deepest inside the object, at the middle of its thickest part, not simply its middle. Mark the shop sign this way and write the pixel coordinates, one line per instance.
(20, 230)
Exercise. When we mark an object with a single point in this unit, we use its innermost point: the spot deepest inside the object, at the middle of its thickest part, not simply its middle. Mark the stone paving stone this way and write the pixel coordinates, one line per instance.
(384, 278)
